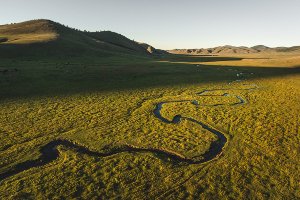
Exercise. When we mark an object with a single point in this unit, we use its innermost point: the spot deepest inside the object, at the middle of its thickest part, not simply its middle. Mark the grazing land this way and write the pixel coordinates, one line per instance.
(126, 123)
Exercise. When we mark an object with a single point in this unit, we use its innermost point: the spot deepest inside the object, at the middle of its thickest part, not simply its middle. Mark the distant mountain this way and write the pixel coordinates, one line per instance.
(45, 37)
(260, 48)
(288, 49)
(234, 50)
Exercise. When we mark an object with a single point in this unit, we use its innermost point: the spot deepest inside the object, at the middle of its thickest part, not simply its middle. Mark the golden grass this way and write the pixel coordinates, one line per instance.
(250, 60)
(260, 161)
(263, 60)
(29, 38)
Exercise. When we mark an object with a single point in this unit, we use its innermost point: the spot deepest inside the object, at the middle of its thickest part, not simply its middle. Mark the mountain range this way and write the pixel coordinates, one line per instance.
(48, 38)
(227, 49)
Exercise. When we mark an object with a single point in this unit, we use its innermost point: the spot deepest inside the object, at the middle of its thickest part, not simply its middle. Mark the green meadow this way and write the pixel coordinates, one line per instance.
(102, 103)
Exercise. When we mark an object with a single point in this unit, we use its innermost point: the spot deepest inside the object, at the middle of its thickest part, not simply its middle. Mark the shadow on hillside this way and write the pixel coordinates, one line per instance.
(53, 78)
(50, 49)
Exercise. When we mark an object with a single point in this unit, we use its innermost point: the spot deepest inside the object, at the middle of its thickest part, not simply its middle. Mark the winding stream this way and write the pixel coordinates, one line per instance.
(50, 152)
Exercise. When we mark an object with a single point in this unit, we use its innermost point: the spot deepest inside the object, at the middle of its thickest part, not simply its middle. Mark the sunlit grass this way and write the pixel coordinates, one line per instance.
(246, 60)
(260, 160)
(264, 60)
(28, 38)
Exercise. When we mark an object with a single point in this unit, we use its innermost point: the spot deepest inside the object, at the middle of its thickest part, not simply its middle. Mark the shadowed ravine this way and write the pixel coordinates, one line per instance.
(50, 152)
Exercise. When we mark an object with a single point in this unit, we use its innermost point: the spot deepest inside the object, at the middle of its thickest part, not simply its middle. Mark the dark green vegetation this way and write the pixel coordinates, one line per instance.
(99, 92)
(44, 38)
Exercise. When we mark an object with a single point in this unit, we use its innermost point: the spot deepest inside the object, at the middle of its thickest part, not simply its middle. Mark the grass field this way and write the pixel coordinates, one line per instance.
(108, 102)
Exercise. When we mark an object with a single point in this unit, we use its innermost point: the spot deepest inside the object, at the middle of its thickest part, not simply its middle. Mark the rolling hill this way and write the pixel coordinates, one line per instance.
(45, 37)
(227, 50)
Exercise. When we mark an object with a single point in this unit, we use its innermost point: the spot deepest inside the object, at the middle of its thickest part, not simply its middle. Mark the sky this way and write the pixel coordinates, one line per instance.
(170, 24)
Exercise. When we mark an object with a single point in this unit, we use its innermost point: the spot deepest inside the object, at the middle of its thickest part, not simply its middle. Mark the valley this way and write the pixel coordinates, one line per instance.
(95, 114)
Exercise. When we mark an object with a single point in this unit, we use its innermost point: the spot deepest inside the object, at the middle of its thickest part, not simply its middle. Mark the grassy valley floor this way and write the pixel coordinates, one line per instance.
(104, 103)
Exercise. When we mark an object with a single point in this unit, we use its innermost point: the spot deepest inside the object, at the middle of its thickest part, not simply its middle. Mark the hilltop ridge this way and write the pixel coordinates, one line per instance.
(51, 38)
(228, 49)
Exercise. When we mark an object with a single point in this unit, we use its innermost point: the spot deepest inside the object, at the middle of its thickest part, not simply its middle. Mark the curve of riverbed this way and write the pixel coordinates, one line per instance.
(50, 152)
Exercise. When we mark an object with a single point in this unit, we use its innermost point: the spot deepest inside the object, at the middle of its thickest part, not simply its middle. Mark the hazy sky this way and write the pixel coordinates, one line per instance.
(169, 24)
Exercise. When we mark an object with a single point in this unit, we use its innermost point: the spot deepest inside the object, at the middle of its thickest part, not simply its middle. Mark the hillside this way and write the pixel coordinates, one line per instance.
(45, 37)
(152, 50)
(117, 40)
(226, 50)
(28, 32)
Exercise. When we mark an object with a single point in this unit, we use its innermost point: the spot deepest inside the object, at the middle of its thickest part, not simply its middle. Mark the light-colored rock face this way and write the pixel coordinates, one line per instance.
(150, 49)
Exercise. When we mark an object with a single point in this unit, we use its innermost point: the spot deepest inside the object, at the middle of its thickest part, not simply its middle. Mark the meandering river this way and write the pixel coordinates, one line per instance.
(50, 152)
